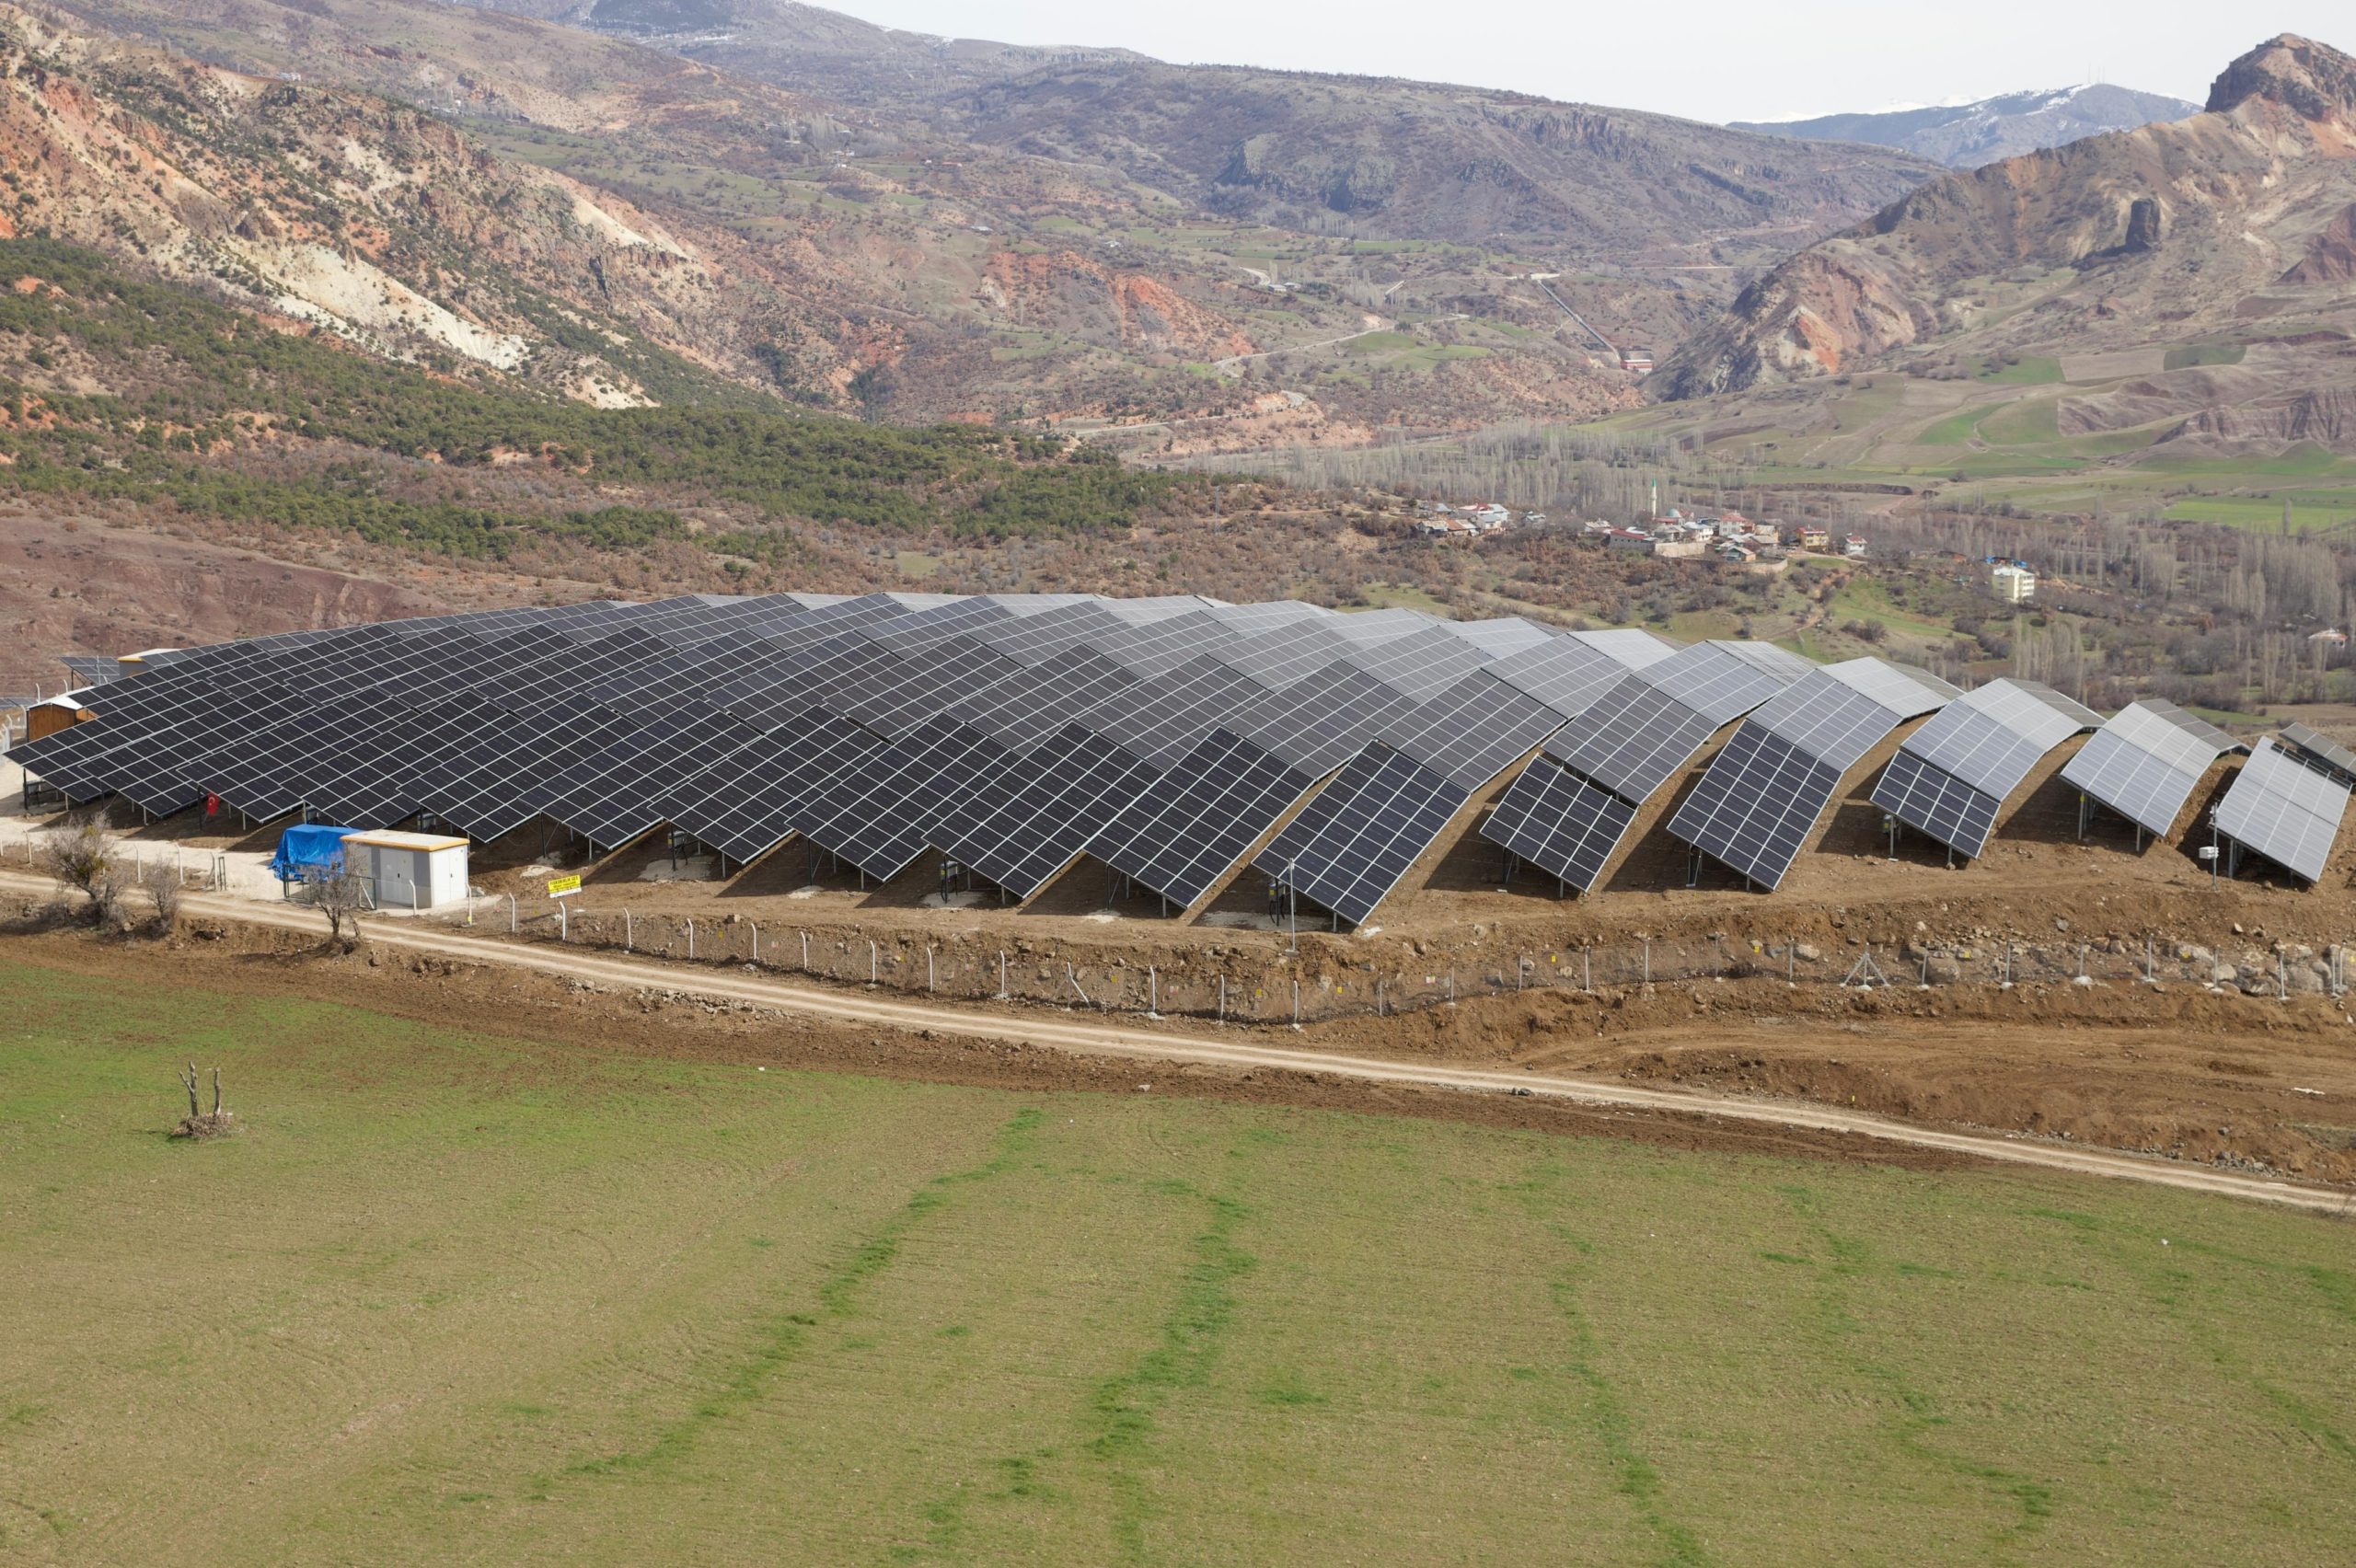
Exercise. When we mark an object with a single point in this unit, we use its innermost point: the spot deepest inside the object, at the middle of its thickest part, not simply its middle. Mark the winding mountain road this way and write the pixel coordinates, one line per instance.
(1109, 1040)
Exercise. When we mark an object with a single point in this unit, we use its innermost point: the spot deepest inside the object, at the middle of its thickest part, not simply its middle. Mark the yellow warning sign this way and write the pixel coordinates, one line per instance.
(561, 886)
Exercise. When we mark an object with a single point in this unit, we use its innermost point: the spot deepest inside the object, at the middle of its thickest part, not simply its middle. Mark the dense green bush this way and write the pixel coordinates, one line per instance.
(196, 384)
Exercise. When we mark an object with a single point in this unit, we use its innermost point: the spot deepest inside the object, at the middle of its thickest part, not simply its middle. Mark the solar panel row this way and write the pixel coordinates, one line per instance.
(1171, 737)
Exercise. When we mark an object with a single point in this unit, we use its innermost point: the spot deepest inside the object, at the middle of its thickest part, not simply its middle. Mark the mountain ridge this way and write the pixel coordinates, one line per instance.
(2235, 229)
(1985, 131)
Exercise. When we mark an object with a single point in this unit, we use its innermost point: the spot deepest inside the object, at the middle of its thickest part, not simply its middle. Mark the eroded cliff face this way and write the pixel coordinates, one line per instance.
(2143, 237)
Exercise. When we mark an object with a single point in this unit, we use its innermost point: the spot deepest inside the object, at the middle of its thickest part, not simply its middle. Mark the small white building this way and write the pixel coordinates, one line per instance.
(1854, 546)
(2013, 582)
(409, 871)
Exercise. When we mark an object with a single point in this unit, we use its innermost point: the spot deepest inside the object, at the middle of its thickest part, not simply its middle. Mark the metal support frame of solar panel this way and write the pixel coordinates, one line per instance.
(750, 806)
(880, 815)
(1951, 777)
(92, 669)
(1761, 798)
(2287, 806)
(2146, 762)
(1388, 804)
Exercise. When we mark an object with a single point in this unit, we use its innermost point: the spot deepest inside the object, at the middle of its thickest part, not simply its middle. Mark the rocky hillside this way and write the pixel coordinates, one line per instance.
(1414, 160)
(1331, 153)
(2205, 263)
(1968, 136)
(371, 220)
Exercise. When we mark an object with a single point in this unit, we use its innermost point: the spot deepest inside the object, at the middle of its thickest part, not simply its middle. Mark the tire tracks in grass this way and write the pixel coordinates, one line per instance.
(783, 1338)
(1920, 1414)
(1606, 1419)
(2154, 1268)
(1119, 1424)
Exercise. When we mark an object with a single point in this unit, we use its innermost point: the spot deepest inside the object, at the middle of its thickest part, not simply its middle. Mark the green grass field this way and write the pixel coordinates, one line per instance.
(476, 1299)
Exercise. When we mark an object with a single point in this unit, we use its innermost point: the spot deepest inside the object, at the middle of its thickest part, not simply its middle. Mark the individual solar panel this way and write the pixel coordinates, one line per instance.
(1164, 719)
(1350, 846)
(625, 799)
(89, 669)
(1631, 647)
(1034, 639)
(1023, 712)
(1474, 730)
(1066, 794)
(2321, 748)
(1634, 740)
(1157, 647)
(748, 807)
(1190, 826)
(880, 814)
(1953, 774)
(1993, 737)
(1560, 823)
(1827, 719)
(1316, 725)
(1277, 658)
(1931, 800)
(2285, 809)
(1755, 806)
(1566, 673)
(2146, 762)
(1420, 665)
(1501, 637)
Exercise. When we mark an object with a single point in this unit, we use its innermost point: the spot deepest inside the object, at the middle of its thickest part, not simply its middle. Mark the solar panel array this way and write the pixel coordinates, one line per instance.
(1951, 777)
(1011, 731)
(2146, 762)
(1761, 798)
(1389, 805)
(1570, 811)
(2286, 803)
(1172, 737)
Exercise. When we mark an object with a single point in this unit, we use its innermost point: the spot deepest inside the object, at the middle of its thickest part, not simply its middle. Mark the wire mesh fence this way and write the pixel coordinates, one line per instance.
(1277, 988)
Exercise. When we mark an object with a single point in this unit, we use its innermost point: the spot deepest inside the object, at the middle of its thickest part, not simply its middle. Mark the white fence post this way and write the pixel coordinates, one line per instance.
(629, 933)
(872, 976)
(691, 941)
(1001, 974)
(756, 939)
(511, 913)
(805, 952)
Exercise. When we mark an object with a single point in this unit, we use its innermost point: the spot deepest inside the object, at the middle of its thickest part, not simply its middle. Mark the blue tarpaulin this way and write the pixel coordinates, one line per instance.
(307, 851)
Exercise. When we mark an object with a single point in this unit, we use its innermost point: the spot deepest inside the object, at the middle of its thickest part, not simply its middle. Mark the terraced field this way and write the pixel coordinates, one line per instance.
(503, 1299)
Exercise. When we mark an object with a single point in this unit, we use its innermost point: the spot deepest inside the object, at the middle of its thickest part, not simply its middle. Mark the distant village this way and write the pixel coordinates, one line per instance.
(1676, 535)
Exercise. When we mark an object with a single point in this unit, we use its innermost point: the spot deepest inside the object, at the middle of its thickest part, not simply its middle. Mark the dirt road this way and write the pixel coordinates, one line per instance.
(1112, 1040)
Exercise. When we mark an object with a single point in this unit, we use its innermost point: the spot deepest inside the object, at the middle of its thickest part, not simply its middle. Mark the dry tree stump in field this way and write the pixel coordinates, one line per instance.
(198, 1123)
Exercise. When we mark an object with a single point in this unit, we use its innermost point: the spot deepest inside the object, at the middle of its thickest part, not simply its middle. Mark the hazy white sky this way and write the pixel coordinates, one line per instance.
(1703, 59)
